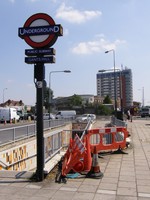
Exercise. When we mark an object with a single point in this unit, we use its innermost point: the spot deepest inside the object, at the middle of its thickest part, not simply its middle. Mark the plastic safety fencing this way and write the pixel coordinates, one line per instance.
(78, 157)
(110, 138)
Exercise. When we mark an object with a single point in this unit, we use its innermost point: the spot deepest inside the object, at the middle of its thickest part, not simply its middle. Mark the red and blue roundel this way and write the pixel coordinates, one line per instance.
(40, 31)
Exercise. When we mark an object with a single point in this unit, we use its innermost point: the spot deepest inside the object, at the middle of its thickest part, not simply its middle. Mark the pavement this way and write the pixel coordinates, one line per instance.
(126, 176)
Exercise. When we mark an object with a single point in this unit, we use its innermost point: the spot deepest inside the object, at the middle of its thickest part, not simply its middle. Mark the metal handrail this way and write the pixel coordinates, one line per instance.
(14, 133)
(118, 122)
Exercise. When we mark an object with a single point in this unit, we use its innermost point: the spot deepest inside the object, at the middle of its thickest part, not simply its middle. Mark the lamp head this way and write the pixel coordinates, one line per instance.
(67, 71)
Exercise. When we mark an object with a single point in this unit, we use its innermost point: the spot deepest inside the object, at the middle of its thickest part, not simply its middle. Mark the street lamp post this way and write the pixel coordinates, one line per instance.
(4, 94)
(142, 96)
(64, 71)
(115, 95)
(121, 94)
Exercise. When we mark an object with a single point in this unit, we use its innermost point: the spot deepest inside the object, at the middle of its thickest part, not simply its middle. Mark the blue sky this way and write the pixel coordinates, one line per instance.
(90, 28)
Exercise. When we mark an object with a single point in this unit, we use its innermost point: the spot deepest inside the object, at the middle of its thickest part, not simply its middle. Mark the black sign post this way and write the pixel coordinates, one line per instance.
(40, 37)
(39, 75)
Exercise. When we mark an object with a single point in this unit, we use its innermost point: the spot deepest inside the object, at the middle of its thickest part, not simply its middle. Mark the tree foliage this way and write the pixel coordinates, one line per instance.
(107, 100)
(103, 110)
(46, 97)
(76, 100)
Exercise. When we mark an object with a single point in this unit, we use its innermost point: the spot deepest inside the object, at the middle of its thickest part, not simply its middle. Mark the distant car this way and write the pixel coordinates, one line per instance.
(93, 117)
(26, 116)
(20, 115)
(86, 118)
(145, 112)
(47, 116)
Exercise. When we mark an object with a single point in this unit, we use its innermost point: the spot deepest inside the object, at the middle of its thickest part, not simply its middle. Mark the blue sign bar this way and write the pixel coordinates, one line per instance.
(36, 52)
(41, 30)
(32, 60)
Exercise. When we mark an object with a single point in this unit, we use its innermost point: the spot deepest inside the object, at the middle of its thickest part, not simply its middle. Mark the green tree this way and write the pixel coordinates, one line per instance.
(46, 97)
(103, 110)
(107, 100)
(76, 100)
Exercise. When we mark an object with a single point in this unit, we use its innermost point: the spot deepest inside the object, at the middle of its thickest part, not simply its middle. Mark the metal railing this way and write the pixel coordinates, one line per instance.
(118, 122)
(16, 133)
(54, 141)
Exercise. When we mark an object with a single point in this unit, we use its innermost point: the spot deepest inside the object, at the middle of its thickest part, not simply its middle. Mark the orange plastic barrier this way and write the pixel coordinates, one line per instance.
(109, 138)
(77, 158)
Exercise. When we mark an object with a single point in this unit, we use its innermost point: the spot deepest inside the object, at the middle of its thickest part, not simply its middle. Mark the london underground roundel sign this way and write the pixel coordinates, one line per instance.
(40, 31)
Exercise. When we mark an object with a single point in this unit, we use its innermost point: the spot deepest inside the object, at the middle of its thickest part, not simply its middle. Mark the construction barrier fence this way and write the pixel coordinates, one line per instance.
(110, 138)
(78, 156)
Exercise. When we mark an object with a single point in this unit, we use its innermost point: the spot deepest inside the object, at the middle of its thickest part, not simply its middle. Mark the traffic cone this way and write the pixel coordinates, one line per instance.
(95, 171)
(87, 157)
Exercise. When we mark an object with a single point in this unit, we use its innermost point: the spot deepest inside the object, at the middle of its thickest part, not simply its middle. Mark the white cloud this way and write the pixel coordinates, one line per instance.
(97, 45)
(75, 16)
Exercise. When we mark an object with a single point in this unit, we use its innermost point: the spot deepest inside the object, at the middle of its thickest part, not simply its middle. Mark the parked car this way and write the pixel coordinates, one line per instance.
(145, 112)
(47, 116)
(27, 116)
(86, 118)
